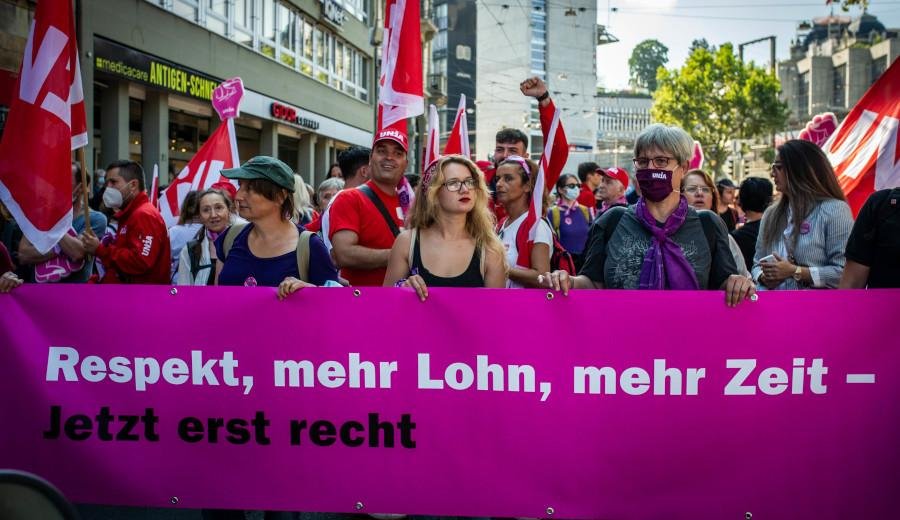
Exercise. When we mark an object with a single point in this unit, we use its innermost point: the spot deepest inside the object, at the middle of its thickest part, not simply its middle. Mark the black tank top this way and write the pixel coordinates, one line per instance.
(471, 277)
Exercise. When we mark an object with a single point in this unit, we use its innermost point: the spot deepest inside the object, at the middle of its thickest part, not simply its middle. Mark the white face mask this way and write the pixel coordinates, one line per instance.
(571, 193)
(112, 198)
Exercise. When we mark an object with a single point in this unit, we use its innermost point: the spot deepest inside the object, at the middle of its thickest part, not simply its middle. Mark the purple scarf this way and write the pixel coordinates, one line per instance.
(665, 266)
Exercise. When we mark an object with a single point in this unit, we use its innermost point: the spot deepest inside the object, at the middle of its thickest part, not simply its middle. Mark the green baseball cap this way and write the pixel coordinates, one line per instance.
(264, 167)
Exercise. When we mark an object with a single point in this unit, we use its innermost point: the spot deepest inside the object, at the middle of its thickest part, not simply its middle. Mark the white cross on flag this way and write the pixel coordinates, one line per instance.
(46, 122)
(864, 150)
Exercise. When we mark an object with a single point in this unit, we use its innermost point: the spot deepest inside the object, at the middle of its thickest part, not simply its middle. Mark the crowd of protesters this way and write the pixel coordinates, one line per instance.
(682, 230)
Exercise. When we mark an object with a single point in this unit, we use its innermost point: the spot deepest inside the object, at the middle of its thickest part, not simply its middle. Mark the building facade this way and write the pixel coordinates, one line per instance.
(621, 116)
(833, 62)
(453, 58)
(149, 68)
(549, 40)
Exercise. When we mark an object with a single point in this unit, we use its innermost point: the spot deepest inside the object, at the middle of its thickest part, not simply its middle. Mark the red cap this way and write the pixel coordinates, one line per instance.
(227, 187)
(396, 132)
(619, 174)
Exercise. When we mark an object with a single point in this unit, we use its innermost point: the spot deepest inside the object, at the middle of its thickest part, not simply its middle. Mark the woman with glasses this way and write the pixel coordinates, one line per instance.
(702, 194)
(569, 219)
(450, 241)
(515, 178)
(802, 237)
(661, 242)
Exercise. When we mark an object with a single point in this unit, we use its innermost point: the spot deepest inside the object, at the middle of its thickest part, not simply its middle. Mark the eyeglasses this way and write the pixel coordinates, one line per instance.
(694, 189)
(658, 162)
(571, 185)
(776, 166)
(456, 184)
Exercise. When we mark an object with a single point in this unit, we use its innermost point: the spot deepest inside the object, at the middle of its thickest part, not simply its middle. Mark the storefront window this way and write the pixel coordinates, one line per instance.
(247, 141)
(135, 116)
(289, 150)
(187, 133)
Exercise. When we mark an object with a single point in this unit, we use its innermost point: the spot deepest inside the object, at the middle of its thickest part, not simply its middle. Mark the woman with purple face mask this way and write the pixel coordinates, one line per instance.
(660, 243)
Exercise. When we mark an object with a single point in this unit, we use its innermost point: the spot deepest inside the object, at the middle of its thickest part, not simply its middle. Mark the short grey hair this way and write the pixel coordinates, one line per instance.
(670, 139)
(333, 183)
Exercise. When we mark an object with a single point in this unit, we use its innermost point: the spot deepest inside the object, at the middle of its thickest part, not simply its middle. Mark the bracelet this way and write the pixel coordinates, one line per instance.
(400, 282)
(543, 96)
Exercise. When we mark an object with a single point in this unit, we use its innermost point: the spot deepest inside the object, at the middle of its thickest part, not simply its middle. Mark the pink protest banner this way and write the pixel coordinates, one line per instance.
(621, 405)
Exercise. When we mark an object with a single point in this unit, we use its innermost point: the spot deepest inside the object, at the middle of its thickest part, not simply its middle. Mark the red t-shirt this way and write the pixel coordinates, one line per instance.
(586, 197)
(353, 211)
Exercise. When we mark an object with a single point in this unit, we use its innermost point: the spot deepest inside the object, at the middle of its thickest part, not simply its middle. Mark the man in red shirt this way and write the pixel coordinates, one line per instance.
(589, 175)
(365, 221)
(139, 253)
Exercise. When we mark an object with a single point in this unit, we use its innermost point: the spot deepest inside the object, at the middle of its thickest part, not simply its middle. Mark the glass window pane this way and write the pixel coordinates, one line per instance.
(219, 7)
(185, 9)
(268, 19)
(286, 24)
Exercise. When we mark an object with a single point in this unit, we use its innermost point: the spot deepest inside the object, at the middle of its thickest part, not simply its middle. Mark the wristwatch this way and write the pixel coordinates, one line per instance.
(798, 273)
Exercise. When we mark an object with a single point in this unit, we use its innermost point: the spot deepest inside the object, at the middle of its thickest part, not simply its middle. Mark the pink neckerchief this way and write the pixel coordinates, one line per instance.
(621, 201)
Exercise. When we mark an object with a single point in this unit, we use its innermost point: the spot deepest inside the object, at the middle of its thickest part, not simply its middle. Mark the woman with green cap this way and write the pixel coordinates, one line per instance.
(271, 250)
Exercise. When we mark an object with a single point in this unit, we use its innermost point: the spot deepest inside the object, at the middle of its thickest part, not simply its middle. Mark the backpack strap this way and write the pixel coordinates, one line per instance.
(709, 229)
(554, 217)
(414, 234)
(368, 192)
(230, 235)
(303, 254)
(586, 211)
(615, 215)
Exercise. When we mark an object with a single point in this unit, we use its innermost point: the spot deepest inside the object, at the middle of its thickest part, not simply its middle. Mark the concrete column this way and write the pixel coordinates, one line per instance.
(859, 72)
(155, 135)
(820, 84)
(114, 123)
(305, 158)
(268, 141)
(322, 159)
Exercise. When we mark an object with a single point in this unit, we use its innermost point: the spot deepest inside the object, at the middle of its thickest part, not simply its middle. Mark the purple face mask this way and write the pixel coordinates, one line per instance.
(655, 184)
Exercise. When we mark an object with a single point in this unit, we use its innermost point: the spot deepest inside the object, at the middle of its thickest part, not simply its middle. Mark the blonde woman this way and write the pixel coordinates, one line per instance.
(450, 241)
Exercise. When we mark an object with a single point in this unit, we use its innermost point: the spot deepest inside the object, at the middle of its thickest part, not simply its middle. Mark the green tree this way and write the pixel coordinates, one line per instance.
(717, 98)
(701, 43)
(646, 59)
(845, 4)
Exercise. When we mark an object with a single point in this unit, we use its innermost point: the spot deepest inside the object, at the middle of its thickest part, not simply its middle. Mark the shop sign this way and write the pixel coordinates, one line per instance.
(289, 114)
(332, 12)
(124, 62)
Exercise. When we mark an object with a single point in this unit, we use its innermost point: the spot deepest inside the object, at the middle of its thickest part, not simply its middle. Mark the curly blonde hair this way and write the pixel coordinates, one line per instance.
(480, 221)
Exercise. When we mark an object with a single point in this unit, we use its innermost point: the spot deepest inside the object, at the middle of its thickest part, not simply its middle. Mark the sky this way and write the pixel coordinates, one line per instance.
(676, 23)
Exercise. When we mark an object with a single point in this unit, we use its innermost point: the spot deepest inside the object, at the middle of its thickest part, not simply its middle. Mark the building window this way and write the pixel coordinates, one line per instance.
(839, 94)
(879, 65)
(803, 94)
(276, 29)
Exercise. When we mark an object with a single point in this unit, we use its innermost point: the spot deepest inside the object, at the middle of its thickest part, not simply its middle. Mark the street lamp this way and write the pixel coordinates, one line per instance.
(758, 40)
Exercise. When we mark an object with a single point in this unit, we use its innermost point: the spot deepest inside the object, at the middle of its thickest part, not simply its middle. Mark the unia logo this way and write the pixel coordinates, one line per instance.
(148, 242)
(658, 175)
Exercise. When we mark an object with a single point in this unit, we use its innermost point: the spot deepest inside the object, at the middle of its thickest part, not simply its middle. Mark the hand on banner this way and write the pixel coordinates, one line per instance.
(90, 242)
(558, 281)
(535, 87)
(776, 272)
(290, 285)
(416, 282)
(9, 281)
(739, 288)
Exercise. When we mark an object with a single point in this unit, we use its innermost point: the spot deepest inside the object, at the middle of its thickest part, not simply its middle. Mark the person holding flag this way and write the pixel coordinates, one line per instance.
(517, 188)
(660, 243)
(140, 252)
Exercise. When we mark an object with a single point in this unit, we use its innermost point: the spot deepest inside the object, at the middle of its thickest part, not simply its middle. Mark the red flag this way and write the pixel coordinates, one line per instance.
(433, 142)
(401, 63)
(524, 242)
(864, 150)
(218, 152)
(458, 141)
(46, 122)
(154, 187)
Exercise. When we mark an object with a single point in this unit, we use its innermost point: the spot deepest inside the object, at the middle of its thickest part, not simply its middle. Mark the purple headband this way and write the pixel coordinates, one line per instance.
(521, 161)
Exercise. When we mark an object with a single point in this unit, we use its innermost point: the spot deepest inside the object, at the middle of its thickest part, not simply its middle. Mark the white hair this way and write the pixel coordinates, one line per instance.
(666, 138)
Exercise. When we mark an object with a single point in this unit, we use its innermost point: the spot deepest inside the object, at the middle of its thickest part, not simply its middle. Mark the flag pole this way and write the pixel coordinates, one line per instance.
(85, 194)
